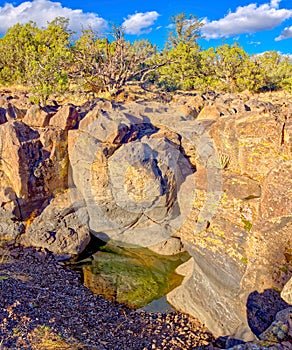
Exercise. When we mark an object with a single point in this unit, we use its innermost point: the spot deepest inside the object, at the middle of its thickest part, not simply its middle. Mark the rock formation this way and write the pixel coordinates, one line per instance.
(211, 173)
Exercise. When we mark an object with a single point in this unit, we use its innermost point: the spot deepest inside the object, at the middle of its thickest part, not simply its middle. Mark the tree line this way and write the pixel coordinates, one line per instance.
(50, 61)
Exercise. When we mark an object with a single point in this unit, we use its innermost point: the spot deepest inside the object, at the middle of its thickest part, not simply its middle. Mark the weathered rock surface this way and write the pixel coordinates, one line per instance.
(212, 173)
(37, 116)
(280, 330)
(33, 168)
(66, 118)
(3, 118)
(61, 227)
(171, 246)
(134, 180)
(286, 293)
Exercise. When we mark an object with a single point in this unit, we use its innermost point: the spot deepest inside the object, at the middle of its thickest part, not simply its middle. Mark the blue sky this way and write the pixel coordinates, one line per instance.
(258, 26)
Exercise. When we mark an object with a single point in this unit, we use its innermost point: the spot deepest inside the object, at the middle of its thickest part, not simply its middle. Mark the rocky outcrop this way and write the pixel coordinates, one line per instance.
(33, 168)
(210, 174)
(61, 227)
(134, 179)
(246, 245)
(37, 116)
(66, 118)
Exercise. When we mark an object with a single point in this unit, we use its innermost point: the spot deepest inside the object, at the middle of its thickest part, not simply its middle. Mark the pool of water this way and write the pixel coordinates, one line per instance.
(131, 275)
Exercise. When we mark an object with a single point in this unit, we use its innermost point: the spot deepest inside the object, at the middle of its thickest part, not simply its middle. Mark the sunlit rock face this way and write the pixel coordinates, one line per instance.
(246, 245)
(136, 180)
(211, 173)
(33, 170)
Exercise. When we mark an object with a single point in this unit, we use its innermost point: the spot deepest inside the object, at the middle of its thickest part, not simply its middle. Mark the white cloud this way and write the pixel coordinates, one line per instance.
(247, 19)
(255, 43)
(275, 3)
(170, 26)
(286, 34)
(44, 11)
(140, 22)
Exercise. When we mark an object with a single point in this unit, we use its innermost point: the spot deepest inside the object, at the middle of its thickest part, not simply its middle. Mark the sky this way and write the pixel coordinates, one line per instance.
(258, 26)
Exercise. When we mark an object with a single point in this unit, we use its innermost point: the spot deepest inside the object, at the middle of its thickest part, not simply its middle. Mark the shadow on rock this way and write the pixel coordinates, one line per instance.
(262, 309)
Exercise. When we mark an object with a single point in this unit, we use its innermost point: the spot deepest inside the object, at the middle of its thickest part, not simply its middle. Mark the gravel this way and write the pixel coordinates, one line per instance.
(40, 297)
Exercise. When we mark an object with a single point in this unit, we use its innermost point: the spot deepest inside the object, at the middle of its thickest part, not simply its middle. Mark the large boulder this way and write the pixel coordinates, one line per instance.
(20, 155)
(10, 222)
(35, 162)
(286, 293)
(61, 227)
(136, 181)
(3, 118)
(34, 167)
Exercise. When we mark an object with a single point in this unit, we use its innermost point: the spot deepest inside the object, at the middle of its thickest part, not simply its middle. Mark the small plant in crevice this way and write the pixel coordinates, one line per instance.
(224, 160)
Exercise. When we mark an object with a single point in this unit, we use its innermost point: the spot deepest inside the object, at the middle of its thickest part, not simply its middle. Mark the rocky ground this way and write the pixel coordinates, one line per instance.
(240, 146)
(43, 305)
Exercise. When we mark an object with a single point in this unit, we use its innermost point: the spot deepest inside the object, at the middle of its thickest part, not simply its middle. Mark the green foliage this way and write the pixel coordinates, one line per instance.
(181, 53)
(230, 68)
(276, 70)
(49, 62)
(187, 30)
(36, 57)
(16, 48)
(221, 68)
(247, 224)
(250, 77)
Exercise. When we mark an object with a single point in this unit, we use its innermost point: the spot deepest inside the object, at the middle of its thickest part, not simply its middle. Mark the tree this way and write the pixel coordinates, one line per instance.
(181, 53)
(276, 70)
(228, 66)
(102, 65)
(286, 65)
(51, 60)
(250, 77)
(16, 49)
(36, 57)
(206, 73)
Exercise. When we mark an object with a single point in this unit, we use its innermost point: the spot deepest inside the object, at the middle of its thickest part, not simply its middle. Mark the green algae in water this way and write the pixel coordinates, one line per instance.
(131, 275)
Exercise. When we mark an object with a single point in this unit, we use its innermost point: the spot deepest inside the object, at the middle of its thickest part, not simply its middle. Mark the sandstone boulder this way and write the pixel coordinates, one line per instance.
(20, 151)
(10, 213)
(249, 139)
(171, 246)
(35, 162)
(277, 192)
(14, 112)
(209, 112)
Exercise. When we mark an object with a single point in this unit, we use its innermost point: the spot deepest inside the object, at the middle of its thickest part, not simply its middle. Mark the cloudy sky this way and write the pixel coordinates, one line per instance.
(258, 26)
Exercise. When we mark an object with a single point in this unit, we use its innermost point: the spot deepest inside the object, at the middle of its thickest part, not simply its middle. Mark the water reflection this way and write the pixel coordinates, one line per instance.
(131, 275)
